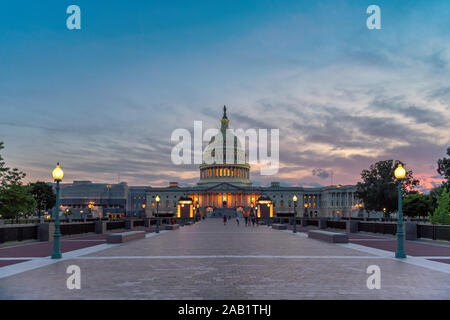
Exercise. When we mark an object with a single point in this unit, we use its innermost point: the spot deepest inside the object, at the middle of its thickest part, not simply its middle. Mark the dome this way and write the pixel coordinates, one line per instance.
(224, 161)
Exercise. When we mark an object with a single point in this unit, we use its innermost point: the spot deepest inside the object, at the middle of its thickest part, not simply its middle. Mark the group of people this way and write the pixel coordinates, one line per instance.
(250, 220)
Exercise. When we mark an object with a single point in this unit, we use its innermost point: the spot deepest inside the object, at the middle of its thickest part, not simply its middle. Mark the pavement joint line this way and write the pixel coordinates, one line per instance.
(243, 232)
(357, 239)
(417, 260)
(224, 257)
(97, 240)
(153, 234)
(21, 258)
(414, 260)
(302, 234)
(35, 263)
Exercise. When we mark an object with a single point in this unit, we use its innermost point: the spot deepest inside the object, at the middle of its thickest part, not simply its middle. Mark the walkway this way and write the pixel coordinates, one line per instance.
(211, 261)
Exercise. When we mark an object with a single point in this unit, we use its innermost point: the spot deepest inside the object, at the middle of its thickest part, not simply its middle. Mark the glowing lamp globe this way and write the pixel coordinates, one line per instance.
(400, 172)
(58, 173)
(295, 198)
(157, 199)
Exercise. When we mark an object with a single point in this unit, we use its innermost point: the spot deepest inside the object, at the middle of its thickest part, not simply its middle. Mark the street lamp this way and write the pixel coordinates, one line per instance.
(400, 173)
(306, 211)
(157, 199)
(57, 176)
(294, 198)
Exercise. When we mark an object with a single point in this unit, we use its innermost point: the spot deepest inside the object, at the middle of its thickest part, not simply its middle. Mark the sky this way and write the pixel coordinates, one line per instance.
(104, 100)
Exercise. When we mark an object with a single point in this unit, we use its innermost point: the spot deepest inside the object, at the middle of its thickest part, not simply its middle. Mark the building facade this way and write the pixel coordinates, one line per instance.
(85, 199)
(225, 187)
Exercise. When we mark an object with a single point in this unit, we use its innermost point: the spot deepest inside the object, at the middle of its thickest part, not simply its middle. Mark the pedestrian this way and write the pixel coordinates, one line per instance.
(246, 220)
(237, 220)
(224, 220)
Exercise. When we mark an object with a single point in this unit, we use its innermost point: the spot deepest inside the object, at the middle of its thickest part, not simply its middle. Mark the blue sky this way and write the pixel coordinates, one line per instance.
(104, 100)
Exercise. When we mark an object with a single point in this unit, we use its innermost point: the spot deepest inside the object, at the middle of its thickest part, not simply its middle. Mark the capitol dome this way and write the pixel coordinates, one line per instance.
(216, 168)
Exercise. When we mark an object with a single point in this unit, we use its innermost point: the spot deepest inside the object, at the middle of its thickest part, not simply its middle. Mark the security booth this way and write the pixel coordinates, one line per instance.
(264, 208)
(185, 209)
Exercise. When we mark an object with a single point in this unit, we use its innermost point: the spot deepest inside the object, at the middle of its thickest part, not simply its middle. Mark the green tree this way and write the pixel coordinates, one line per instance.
(15, 198)
(378, 188)
(444, 169)
(434, 194)
(44, 196)
(417, 204)
(442, 213)
(9, 176)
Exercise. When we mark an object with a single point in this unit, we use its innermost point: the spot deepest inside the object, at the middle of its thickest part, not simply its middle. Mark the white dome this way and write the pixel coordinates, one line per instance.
(215, 167)
(212, 155)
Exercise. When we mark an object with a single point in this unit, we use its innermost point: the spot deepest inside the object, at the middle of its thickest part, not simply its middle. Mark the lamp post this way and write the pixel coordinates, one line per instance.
(400, 173)
(306, 211)
(57, 176)
(294, 198)
(157, 199)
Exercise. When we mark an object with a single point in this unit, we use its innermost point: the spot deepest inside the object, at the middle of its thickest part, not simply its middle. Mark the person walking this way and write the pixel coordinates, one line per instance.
(246, 220)
(224, 220)
(237, 220)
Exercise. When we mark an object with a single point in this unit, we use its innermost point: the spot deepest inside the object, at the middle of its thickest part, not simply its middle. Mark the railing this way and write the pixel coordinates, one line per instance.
(138, 223)
(312, 222)
(18, 233)
(111, 225)
(77, 228)
(20, 221)
(433, 232)
(336, 224)
(378, 227)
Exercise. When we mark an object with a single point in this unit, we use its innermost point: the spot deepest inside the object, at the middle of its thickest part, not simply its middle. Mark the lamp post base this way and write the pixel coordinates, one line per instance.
(400, 255)
(57, 255)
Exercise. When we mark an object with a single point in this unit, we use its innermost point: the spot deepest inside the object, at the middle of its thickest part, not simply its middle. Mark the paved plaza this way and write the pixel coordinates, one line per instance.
(208, 260)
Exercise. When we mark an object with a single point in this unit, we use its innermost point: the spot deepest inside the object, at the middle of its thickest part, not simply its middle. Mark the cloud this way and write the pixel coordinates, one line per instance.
(321, 173)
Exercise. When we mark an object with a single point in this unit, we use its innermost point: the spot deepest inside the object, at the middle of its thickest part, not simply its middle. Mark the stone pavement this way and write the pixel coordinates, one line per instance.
(211, 261)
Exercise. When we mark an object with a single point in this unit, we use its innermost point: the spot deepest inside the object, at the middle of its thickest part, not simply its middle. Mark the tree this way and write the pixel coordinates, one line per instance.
(444, 169)
(9, 176)
(44, 196)
(442, 213)
(417, 204)
(379, 187)
(15, 198)
(434, 194)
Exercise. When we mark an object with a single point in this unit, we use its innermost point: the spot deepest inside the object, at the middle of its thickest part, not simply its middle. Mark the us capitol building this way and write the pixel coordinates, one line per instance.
(225, 188)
